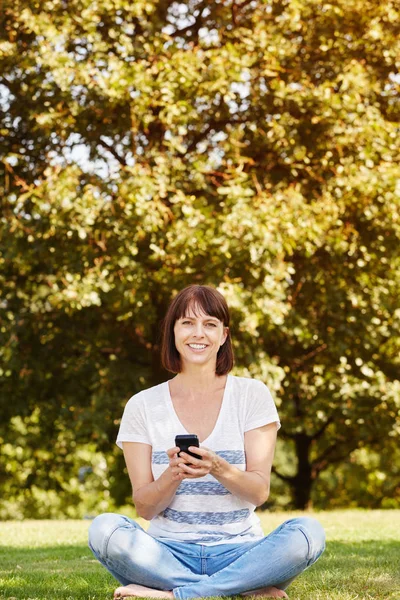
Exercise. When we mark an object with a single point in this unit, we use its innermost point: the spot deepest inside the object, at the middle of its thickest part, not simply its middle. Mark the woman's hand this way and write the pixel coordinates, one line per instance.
(210, 463)
(174, 463)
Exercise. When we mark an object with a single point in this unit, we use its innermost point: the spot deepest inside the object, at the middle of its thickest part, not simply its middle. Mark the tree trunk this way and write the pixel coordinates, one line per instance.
(302, 482)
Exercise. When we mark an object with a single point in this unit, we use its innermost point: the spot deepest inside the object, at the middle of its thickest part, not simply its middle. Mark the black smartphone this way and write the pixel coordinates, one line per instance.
(184, 441)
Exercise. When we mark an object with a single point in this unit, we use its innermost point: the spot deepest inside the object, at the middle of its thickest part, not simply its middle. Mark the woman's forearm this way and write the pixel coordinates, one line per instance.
(250, 486)
(153, 498)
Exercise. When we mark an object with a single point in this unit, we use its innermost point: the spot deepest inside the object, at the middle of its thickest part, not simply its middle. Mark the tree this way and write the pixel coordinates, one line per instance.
(252, 146)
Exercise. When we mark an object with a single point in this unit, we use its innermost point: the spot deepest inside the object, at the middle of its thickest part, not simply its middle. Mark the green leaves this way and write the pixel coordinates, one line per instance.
(150, 145)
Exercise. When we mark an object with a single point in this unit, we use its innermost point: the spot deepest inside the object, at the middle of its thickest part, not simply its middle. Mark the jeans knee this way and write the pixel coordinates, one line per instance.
(101, 529)
(315, 535)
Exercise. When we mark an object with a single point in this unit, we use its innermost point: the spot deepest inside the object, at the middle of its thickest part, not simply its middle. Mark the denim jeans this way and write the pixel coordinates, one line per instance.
(194, 570)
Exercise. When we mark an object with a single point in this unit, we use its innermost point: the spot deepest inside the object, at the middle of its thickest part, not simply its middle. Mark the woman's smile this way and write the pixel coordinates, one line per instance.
(197, 347)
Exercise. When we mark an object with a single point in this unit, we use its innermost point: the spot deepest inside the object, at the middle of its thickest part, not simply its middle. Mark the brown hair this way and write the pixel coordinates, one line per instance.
(212, 303)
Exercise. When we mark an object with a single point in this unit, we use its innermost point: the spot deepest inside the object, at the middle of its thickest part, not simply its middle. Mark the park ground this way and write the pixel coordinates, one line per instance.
(49, 560)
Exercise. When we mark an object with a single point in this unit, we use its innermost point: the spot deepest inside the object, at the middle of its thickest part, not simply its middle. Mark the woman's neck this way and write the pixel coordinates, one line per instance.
(197, 379)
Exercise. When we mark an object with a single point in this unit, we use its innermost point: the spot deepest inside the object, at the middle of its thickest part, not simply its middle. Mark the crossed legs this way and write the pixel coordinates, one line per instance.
(147, 568)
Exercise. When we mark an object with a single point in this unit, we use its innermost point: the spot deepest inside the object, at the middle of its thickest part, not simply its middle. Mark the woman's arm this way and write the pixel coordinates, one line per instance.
(251, 485)
(150, 496)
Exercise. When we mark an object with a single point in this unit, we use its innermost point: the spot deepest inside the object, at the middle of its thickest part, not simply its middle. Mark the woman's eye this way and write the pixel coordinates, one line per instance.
(208, 324)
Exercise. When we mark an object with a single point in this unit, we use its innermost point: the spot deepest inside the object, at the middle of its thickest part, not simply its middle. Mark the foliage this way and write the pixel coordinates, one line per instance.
(148, 145)
(67, 480)
(369, 479)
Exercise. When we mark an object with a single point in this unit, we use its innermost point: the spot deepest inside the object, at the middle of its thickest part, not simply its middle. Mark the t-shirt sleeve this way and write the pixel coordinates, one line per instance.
(133, 423)
(260, 409)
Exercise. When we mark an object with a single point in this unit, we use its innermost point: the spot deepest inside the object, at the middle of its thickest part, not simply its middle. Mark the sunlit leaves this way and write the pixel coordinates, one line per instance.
(148, 145)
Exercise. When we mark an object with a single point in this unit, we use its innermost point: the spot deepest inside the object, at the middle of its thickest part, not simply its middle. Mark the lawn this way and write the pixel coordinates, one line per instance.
(49, 560)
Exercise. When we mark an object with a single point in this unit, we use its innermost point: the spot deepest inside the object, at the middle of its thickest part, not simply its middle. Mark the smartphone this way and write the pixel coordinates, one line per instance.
(184, 441)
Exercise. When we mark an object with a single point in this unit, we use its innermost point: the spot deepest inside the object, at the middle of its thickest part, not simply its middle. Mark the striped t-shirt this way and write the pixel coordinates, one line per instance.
(202, 511)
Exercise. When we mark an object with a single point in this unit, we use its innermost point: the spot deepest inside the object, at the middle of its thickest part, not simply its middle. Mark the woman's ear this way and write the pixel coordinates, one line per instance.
(226, 331)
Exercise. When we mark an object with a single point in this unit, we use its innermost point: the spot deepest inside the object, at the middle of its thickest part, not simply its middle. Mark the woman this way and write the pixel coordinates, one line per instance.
(204, 537)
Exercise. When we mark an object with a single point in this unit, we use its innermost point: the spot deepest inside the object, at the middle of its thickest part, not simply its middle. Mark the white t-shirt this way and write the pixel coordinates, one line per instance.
(202, 511)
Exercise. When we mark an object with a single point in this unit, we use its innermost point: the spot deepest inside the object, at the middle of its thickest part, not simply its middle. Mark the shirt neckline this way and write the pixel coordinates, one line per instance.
(219, 418)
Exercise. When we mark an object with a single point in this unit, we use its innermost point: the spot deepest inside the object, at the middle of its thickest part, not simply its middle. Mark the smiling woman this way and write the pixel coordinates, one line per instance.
(204, 531)
(198, 315)
(196, 336)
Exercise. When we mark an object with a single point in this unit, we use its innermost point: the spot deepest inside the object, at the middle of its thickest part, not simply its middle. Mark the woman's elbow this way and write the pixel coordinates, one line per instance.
(143, 512)
(262, 497)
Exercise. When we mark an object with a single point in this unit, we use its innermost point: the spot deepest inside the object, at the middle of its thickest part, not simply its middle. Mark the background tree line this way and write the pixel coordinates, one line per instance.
(151, 144)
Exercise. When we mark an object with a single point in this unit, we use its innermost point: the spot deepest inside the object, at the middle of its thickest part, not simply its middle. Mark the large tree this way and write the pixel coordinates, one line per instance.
(151, 144)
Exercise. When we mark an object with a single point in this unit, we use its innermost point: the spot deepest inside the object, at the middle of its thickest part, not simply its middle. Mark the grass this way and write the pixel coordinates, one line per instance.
(49, 560)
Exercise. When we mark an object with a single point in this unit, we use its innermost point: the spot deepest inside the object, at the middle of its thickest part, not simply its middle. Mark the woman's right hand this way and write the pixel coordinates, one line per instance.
(174, 462)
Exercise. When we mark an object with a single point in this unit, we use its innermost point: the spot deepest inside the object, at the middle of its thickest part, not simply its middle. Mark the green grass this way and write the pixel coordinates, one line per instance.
(49, 560)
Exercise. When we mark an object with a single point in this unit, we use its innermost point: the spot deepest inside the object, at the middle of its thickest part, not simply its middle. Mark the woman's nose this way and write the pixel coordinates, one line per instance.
(199, 330)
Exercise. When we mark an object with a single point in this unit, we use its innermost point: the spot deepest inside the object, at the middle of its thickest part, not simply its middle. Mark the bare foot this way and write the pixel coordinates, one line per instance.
(128, 591)
(267, 592)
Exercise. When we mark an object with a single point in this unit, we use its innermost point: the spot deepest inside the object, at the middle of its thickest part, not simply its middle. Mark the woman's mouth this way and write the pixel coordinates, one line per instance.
(197, 347)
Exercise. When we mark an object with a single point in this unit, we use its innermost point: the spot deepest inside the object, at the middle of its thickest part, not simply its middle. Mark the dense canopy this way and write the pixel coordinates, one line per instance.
(147, 145)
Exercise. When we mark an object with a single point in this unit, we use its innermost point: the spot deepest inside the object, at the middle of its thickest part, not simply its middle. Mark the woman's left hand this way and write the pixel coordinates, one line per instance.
(210, 463)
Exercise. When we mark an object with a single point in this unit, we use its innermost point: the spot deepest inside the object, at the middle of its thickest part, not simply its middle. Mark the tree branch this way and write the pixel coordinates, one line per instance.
(317, 467)
(199, 137)
(322, 462)
(324, 426)
(112, 151)
(287, 478)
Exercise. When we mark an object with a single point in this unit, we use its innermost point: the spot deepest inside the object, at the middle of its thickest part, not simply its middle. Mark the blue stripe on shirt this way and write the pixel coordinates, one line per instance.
(224, 534)
(202, 488)
(233, 457)
(207, 518)
(212, 536)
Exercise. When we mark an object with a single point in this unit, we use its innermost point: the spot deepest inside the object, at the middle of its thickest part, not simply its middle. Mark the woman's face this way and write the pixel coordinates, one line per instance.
(199, 337)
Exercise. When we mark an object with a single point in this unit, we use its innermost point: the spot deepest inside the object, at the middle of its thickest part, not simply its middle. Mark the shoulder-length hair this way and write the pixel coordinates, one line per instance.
(196, 297)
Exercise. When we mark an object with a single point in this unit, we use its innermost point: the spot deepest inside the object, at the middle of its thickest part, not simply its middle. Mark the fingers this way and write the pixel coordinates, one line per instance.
(199, 451)
(172, 451)
(174, 459)
(186, 466)
(184, 471)
(174, 462)
(191, 459)
(195, 466)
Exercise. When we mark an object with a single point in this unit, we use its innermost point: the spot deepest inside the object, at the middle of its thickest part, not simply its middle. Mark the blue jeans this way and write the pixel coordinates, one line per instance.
(196, 571)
